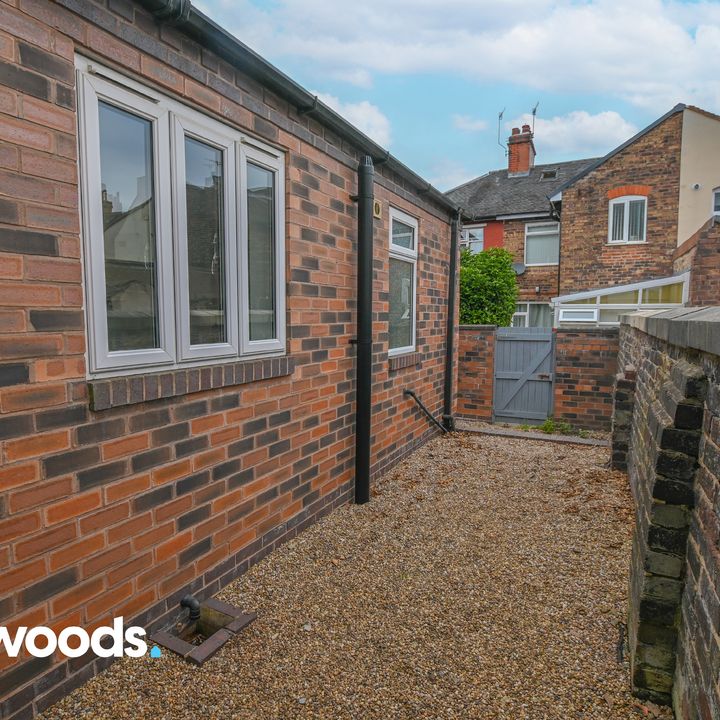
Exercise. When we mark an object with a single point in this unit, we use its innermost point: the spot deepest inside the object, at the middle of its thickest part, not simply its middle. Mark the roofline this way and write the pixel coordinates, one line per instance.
(680, 107)
(182, 15)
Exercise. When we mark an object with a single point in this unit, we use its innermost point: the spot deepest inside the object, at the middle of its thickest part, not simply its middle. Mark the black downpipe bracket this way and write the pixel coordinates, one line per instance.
(363, 398)
(447, 418)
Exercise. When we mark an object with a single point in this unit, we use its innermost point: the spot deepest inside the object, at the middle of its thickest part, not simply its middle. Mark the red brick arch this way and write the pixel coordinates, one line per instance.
(624, 190)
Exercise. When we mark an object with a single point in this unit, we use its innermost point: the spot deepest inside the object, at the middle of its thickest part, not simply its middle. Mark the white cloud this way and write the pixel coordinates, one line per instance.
(447, 174)
(363, 115)
(468, 124)
(578, 134)
(652, 53)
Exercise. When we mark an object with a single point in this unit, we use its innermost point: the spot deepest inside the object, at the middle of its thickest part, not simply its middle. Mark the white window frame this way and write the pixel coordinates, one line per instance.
(209, 136)
(172, 120)
(274, 164)
(626, 200)
(525, 314)
(715, 198)
(465, 239)
(528, 226)
(408, 255)
(94, 89)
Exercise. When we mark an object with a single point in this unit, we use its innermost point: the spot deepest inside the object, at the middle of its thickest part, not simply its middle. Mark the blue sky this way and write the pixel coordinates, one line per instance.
(427, 78)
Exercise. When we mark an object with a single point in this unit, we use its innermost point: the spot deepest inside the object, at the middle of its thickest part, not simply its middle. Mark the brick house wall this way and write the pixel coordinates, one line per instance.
(118, 497)
(585, 369)
(674, 470)
(587, 260)
(476, 353)
(543, 277)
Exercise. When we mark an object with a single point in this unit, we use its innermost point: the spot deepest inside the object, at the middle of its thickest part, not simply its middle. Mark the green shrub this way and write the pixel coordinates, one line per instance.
(488, 288)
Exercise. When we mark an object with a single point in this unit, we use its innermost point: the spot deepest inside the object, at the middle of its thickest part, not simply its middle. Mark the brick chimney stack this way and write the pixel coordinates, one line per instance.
(521, 151)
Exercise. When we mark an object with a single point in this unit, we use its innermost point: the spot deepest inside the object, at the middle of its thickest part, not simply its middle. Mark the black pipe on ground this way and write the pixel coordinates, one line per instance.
(363, 399)
(421, 405)
(447, 418)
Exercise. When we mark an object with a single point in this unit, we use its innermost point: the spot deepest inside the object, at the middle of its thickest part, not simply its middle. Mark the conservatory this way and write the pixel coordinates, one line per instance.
(604, 306)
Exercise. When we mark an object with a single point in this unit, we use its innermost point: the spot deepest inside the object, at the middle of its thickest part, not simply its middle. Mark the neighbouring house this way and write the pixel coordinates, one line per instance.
(510, 208)
(179, 258)
(634, 229)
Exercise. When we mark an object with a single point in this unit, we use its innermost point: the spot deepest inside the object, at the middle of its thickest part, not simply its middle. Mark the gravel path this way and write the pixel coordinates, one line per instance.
(486, 579)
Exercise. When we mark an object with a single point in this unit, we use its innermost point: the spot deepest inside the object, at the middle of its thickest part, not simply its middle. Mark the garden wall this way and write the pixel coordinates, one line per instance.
(673, 459)
(585, 368)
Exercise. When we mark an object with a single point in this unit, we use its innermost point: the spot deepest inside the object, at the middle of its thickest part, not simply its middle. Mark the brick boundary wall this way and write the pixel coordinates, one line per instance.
(476, 353)
(674, 470)
(623, 402)
(585, 369)
(118, 497)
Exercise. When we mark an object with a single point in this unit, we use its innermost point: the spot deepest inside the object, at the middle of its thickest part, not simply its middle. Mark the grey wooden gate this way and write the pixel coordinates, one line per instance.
(524, 367)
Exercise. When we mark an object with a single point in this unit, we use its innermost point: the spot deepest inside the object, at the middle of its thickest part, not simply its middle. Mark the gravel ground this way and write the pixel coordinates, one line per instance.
(486, 579)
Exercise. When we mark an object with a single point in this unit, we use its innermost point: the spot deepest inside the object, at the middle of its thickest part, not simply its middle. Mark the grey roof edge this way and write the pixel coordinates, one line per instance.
(211, 35)
(593, 166)
(696, 328)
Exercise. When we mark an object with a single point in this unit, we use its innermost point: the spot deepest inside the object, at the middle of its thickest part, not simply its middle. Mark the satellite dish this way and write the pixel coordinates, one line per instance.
(519, 268)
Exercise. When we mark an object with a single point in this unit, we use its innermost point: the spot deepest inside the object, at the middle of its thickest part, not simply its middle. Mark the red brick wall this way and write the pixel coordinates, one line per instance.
(544, 277)
(476, 354)
(585, 369)
(493, 235)
(121, 511)
(587, 260)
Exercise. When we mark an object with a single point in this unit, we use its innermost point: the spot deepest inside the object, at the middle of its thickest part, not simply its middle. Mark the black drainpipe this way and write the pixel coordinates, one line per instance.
(447, 418)
(363, 398)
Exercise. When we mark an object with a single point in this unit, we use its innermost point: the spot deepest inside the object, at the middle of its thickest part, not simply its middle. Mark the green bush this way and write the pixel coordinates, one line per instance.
(488, 287)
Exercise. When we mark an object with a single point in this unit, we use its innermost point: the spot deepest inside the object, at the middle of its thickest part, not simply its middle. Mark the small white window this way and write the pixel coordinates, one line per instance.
(716, 201)
(183, 230)
(403, 261)
(520, 318)
(532, 314)
(542, 243)
(627, 219)
(473, 239)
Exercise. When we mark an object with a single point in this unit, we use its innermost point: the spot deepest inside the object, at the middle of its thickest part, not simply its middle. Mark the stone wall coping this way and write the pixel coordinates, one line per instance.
(697, 328)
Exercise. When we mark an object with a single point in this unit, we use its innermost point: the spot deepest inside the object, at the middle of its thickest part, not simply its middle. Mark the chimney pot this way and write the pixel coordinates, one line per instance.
(516, 131)
(526, 128)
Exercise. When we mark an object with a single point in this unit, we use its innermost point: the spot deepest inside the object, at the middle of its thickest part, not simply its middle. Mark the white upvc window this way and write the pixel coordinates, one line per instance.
(542, 243)
(532, 314)
(183, 230)
(716, 201)
(627, 219)
(473, 239)
(403, 279)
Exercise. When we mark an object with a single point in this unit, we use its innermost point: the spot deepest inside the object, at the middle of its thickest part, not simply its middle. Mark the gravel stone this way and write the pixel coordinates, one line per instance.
(486, 579)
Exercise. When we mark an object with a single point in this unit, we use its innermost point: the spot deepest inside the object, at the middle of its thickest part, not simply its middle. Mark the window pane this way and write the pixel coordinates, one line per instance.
(473, 240)
(128, 207)
(716, 202)
(542, 249)
(542, 228)
(540, 315)
(401, 303)
(403, 235)
(637, 221)
(664, 294)
(629, 297)
(618, 220)
(584, 301)
(261, 251)
(613, 315)
(206, 242)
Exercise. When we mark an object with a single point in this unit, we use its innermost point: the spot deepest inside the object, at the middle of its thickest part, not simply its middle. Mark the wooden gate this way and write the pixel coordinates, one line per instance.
(524, 368)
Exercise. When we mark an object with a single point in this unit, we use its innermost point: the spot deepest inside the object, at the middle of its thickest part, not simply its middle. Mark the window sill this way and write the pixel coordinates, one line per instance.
(398, 362)
(623, 244)
(114, 392)
(532, 265)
